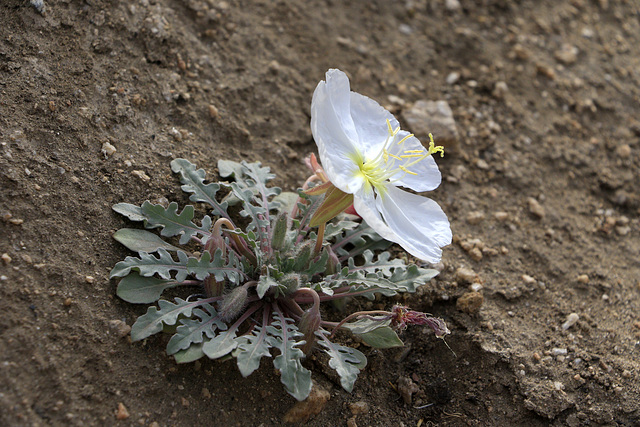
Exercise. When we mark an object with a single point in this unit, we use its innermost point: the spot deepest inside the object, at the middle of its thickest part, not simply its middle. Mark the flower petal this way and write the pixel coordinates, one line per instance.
(420, 225)
(427, 176)
(334, 135)
(364, 203)
(370, 121)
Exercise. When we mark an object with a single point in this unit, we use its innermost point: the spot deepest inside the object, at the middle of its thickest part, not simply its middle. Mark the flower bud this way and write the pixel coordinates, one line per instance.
(233, 303)
(303, 255)
(214, 243)
(333, 263)
(279, 231)
(308, 325)
(292, 282)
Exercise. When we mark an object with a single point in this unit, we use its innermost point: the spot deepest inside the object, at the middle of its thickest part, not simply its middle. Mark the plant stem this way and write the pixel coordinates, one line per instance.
(320, 238)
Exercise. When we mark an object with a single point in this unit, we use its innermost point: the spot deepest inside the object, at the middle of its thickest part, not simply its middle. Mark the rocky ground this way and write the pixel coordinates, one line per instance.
(540, 288)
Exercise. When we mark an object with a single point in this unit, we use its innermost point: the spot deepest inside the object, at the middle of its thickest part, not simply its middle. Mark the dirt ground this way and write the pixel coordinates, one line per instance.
(543, 195)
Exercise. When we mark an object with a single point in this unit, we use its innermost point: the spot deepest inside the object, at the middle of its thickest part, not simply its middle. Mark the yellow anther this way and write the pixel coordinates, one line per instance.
(390, 128)
(394, 156)
(409, 156)
(435, 149)
(405, 138)
(413, 151)
(407, 170)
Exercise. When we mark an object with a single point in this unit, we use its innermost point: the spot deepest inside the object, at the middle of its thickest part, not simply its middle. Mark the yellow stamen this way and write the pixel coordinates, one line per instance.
(405, 138)
(435, 149)
(408, 156)
(405, 170)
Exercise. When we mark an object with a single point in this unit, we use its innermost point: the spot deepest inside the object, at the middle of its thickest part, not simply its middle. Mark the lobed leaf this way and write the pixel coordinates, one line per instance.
(223, 344)
(192, 331)
(148, 265)
(251, 348)
(151, 322)
(296, 378)
(191, 354)
(218, 267)
(347, 361)
(358, 240)
(192, 180)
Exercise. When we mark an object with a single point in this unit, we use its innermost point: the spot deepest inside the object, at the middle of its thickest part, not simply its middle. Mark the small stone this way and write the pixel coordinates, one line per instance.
(501, 216)
(535, 208)
(571, 320)
(406, 388)
(475, 217)
(558, 351)
(89, 279)
(466, 275)
(108, 150)
(583, 278)
(452, 78)
(623, 151)
(16, 221)
(120, 328)
(274, 67)
(452, 5)
(500, 90)
(185, 402)
(482, 164)
(213, 111)
(358, 408)
(435, 117)
(6, 259)
(311, 406)
(351, 422)
(470, 302)
(205, 393)
(67, 302)
(546, 71)
(536, 356)
(528, 279)
(475, 287)
(623, 230)
(141, 174)
(122, 413)
(475, 254)
(567, 54)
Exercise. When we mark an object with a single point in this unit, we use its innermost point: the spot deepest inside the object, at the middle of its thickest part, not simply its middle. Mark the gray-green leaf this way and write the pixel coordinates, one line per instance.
(346, 361)
(192, 330)
(151, 322)
(137, 289)
(251, 348)
(141, 240)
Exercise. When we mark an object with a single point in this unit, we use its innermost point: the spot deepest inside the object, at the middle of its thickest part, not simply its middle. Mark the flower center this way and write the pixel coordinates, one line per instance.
(392, 160)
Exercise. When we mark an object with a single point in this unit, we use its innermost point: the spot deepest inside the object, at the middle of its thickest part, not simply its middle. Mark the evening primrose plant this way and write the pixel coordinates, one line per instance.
(248, 278)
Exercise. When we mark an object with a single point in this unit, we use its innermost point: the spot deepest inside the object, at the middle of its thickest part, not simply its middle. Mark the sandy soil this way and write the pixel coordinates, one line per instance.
(543, 195)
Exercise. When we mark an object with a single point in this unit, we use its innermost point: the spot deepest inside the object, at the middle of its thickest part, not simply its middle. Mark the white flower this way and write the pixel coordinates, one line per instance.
(364, 153)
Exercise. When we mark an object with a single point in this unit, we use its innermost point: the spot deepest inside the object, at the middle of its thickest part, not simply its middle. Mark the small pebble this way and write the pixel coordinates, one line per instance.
(453, 78)
(528, 279)
(567, 54)
(122, 413)
(141, 174)
(535, 208)
(205, 393)
(108, 150)
(120, 328)
(500, 90)
(475, 287)
(452, 5)
(583, 278)
(466, 275)
(623, 151)
(311, 406)
(475, 217)
(68, 302)
(358, 408)
(558, 351)
(537, 357)
(571, 320)
(89, 279)
(213, 111)
(6, 259)
(475, 254)
(501, 216)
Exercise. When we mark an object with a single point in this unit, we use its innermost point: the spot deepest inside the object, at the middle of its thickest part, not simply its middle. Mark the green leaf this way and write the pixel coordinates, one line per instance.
(151, 322)
(361, 238)
(223, 344)
(141, 240)
(383, 337)
(191, 354)
(172, 223)
(335, 229)
(412, 277)
(251, 348)
(193, 182)
(264, 284)
(137, 289)
(383, 264)
(285, 201)
(192, 330)
(346, 361)
(363, 326)
(229, 168)
(148, 265)
(218, 266)
(296, 379)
